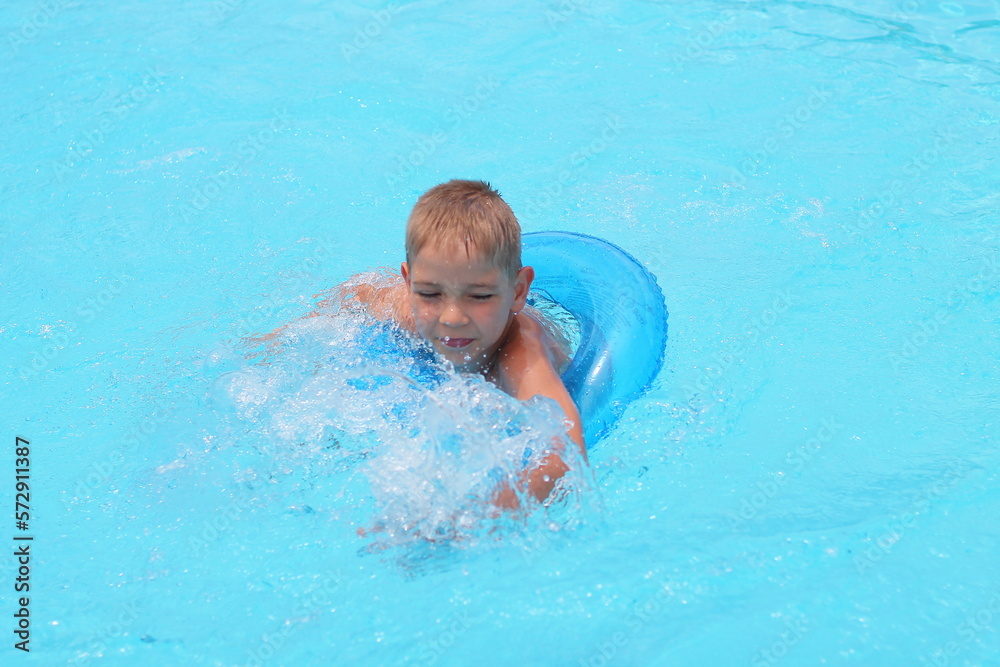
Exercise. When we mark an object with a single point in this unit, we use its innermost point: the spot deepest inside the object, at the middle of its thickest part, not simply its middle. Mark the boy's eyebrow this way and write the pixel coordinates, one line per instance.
(424, 283)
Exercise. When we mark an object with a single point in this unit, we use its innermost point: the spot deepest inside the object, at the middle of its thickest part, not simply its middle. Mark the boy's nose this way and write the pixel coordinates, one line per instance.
(453, 316)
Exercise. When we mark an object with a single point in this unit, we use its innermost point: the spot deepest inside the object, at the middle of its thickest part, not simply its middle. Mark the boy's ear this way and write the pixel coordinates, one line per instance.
(404, 270)
(522, 283)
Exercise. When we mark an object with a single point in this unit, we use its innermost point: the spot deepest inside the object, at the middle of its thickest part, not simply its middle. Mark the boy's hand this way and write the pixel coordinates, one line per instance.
(505, 498)
(542, 480)
(539, 482)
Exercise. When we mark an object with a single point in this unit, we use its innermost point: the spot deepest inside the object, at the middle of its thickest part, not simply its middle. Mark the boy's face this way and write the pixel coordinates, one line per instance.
(463, 305)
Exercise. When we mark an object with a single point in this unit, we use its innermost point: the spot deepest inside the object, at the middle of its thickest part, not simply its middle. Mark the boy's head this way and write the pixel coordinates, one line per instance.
(463, 271)
(468, 217)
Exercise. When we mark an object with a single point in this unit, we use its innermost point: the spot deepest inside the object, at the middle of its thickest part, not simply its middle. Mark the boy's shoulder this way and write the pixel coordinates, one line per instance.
(531, 361)
(531, 342)
(553, 341)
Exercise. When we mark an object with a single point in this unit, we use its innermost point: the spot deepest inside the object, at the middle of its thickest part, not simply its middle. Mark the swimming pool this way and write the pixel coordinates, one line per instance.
(812, 478)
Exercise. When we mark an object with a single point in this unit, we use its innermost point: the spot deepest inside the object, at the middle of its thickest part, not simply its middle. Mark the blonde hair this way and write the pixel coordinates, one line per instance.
(469, 214)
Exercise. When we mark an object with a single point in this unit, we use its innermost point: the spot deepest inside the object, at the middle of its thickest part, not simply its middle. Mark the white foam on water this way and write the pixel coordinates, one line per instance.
(344, 395)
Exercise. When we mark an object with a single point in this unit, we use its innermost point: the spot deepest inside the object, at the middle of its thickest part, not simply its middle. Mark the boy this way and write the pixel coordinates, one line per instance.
(463, 290)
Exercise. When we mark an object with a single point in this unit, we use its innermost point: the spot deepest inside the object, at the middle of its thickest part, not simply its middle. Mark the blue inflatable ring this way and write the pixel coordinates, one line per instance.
(621, 314)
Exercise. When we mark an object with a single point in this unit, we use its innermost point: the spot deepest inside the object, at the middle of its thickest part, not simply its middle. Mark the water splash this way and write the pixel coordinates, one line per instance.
(345, 395)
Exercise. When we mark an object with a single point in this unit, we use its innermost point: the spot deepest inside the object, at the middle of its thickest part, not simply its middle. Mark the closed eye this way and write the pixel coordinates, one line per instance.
(482, 297)
(428, 295)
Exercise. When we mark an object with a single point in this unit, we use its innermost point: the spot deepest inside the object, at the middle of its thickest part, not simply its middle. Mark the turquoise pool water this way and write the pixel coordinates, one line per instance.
(811, 479)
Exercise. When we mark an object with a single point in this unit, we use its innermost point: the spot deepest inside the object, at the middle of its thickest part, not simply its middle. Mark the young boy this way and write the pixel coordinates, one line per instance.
(463, 290)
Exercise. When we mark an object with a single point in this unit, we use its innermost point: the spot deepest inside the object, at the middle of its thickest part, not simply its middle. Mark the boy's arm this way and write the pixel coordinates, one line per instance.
(526, 370)
(383, 302)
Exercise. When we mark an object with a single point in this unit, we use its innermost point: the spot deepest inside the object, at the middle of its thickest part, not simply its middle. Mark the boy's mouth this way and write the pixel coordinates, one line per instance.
(456, 343)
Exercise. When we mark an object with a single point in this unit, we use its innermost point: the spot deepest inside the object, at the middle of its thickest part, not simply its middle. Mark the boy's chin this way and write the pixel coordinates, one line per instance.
(465, 362)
